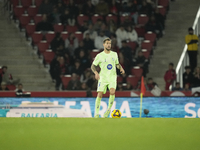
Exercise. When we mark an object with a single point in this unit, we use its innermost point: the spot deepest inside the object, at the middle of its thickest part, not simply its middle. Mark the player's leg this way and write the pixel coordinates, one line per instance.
(101, 90)
(98, 103)
(110, 103)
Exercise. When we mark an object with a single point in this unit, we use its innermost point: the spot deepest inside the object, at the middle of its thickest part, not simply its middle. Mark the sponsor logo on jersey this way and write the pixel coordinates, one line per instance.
(109, 66)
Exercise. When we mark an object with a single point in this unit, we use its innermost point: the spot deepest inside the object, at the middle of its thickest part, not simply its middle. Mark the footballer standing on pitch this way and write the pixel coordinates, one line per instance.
(107, 61)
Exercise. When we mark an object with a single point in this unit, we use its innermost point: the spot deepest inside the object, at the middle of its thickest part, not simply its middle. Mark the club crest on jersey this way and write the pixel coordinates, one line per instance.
(109, 66)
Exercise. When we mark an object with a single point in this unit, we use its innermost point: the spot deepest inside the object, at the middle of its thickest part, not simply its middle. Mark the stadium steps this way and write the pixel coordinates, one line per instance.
(169, 48)
(21, 59)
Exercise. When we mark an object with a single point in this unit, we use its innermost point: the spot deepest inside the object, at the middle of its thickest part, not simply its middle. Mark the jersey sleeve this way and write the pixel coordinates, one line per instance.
(116, 59)
(96, 60)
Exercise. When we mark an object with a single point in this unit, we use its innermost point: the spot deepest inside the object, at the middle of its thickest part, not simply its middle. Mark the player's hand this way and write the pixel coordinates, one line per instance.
(122, 71)
(97, 77)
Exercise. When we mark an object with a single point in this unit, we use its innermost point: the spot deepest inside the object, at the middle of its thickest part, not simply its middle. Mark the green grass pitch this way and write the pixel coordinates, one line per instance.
(99, 134)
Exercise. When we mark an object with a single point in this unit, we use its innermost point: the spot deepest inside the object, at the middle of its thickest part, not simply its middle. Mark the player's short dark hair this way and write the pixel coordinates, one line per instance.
(106, 39)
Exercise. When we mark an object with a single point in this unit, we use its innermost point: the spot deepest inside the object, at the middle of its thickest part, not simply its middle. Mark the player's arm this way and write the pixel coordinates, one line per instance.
(120, 68)
(94, 70)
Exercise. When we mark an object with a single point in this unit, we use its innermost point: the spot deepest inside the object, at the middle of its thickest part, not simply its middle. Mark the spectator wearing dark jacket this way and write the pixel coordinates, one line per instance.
(44, 25)
(45, 8)
(187, 76)
(56, 42)
(74, 83)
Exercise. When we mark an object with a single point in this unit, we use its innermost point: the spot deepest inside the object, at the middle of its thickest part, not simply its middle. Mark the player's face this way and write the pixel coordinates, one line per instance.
(107, 45)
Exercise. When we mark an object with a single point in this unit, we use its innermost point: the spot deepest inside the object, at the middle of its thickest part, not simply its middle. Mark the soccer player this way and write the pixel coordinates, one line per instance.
(107, 61)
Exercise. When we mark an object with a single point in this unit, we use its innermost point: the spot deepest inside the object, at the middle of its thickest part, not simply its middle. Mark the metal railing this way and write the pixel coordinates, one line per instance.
(184, 59)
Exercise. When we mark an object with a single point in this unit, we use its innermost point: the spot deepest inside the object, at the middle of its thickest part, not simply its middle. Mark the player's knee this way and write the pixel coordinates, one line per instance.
(100, 95)
(112, 92)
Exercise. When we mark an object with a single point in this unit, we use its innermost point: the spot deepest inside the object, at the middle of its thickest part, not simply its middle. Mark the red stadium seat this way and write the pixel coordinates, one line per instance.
(11, 87)
(81, 18)
(132, 45)
(48, 56)
(64, 35)
(36, 37)
(132, 80)
(150, 36)
(65, 81)
(162, 10)
(146, 44)
(24, 20)
(38, 18)
(14, 3)
(58, 27)
(137, 71)
(94, 53)
(30, 29)
(26, 3)
(79, 35)
(124, 17)
(32, 11)
(119, 79)
(42, 46)
(95, 17)
(18, 11)
(71, 29)
(140, 31)
(146, 53)
(143, 19)
(111, 17)
(50, 36)
(38, 2)
(164, 3)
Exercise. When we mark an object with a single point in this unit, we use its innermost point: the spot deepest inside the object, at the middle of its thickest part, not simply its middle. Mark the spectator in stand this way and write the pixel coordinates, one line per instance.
(160, 18)
(71, 43)
(132, 34)
(88, 8)
(84, 86)
(86, 76)
(125, 59)
(7, 77)
(97, 25)
(60, 51)
(85, 63)
(196, 81)
(73, 9)
(102, 8)
(114, 46)
(84, 27)
(92, 82)
(44, 25)
(170, 76)
(79, 49)
(64, 17)
(53, 67)
(19, 88)
(61, 7)
(3, 87)
(74, 83)
(191, 40)
(104, 28)
(112, 26)
(114, 7)
(177, 87)
(60, 71)
(77, 69)
(151, 84)
(154, 26)
(122, 35)
(56, 42)
(187, 76)
(89, 44)
(142, 62)
(71, 20)
(92, 33)
(55, 16)
(138, 88)
(146, 8)
(45, 8)
(129, 86)
(99, 40)
(127, 52)
(94, 2)
(186, 88)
